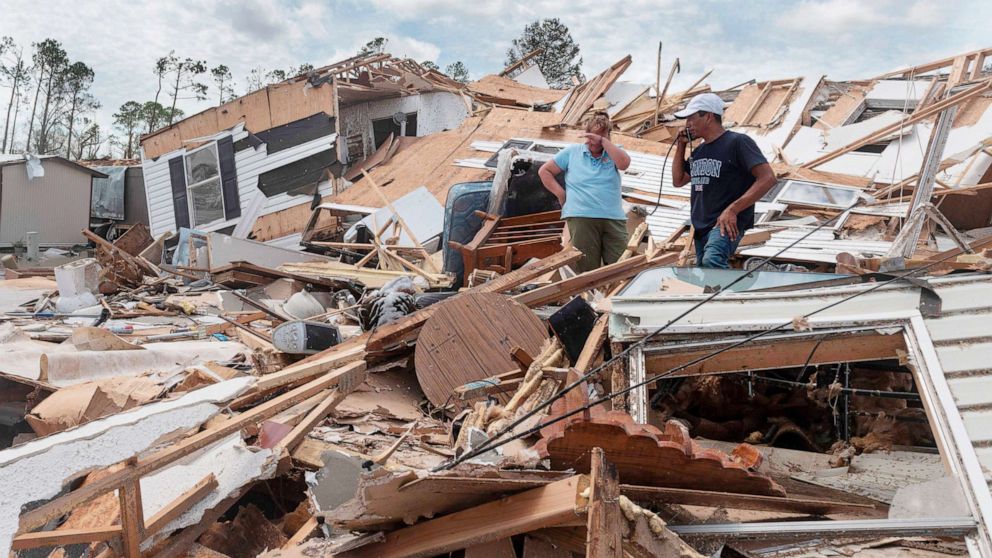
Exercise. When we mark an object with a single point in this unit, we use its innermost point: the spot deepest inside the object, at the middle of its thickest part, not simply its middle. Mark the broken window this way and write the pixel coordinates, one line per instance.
(206, 198)
(821, 195)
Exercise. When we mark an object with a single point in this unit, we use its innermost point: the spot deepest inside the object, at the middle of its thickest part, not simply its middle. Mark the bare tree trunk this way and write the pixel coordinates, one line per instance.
(175, 94)
(6, 122)
(43, 128)
(13, 125)
(72, 121)
(34, 107)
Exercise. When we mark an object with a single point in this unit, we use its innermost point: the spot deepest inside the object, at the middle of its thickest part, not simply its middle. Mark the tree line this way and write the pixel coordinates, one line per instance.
(51, 110)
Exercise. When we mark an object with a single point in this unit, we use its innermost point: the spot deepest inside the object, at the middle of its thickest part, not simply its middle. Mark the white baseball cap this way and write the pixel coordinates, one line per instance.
(708, 102)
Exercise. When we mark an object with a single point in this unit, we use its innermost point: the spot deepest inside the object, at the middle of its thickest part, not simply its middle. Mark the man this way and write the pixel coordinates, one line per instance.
(590, 201)
(728, 174)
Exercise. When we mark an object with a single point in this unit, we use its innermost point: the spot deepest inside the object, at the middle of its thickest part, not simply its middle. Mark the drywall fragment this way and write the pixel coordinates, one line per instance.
(941, 497)
(38, 470)
(337, 482)
(230, 460)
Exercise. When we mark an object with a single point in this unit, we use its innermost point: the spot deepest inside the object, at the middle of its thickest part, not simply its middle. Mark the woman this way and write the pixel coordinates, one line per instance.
(590, 201)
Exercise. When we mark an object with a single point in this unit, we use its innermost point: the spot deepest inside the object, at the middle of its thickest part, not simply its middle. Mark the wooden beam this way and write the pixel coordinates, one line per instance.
(762, 95)
(547, 506)
(132, 520)
(688, 497)
(63, 504)
(303, 533)
(777, 353)
(604, 519)
(313, 418)
(591, 279)
(931, 66)
(338, 356)
(180, 505)
(65, 537)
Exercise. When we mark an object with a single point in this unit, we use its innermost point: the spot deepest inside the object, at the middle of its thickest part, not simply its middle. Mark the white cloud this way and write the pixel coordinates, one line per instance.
(853, 16)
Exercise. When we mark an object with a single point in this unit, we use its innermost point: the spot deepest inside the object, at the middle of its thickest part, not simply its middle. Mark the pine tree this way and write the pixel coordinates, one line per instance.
(559, 60)
(457, 71)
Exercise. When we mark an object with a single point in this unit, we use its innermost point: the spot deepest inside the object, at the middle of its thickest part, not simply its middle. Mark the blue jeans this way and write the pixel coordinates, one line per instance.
(714, 249)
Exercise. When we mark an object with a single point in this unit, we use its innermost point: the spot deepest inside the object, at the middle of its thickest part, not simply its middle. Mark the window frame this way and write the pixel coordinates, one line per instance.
(190, 186)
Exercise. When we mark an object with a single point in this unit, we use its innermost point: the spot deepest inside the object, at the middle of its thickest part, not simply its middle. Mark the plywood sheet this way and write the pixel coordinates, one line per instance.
(505, 88)
(470, 338)
(252, 109)
(742, 103)
(201, 125)
(289, 102)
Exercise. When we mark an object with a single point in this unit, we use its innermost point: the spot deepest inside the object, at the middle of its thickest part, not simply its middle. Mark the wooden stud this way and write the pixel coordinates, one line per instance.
(303, 533)
(65, 537)
(604, 520)
(132, 522)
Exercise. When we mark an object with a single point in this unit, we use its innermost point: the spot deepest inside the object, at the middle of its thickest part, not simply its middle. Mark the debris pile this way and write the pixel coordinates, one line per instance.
(379, 346)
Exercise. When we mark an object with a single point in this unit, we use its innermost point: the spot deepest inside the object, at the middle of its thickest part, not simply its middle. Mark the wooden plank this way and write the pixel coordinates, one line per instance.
(713, 499)
(604, 519)
(403, 332)
(313, 418)
(433, 485)
(304, 533)
(63, 504)
(778, 353)
(180, 505)
(931, 66)
(593, 344)
(179, 543)
(340, 355)
(958, 69)
(471, 338)
(65, 537)
(591, 279)
(547, 506)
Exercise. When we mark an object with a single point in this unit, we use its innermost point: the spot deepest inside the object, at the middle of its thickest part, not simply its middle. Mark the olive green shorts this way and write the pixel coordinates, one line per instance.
(601, 241)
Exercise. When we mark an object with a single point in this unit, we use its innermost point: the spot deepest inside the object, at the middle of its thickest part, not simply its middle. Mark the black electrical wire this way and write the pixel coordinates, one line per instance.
(661, 329)
(664, 165)
(492, 443)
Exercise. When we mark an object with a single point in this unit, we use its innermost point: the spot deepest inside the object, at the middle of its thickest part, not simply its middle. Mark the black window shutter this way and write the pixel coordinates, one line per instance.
(229, 178)
(180, 203)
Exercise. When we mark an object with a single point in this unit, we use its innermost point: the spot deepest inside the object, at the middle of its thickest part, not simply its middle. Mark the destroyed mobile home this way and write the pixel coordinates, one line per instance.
(346, 336)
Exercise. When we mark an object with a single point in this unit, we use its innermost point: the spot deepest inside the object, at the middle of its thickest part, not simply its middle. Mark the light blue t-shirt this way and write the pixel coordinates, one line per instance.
(592, 184)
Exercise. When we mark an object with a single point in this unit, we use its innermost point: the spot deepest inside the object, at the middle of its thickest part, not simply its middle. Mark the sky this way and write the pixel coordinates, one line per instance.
(773, 39)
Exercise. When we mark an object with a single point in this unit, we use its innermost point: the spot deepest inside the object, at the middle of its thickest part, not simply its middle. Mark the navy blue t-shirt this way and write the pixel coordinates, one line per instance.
(721, 173)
